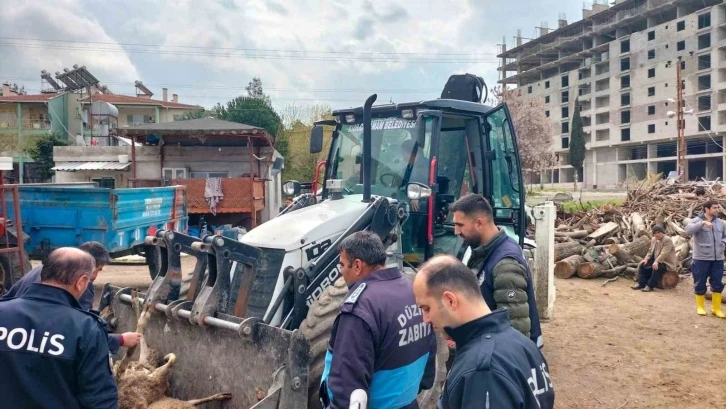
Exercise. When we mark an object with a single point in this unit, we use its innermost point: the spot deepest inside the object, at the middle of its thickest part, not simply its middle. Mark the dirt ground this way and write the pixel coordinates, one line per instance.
(613, 347)
(607, 347)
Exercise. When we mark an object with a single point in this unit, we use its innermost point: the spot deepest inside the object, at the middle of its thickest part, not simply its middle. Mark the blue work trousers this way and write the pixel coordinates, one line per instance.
(711, 270)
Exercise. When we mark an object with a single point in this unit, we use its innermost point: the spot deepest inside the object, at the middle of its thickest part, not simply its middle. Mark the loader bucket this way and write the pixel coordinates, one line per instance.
(261, 366)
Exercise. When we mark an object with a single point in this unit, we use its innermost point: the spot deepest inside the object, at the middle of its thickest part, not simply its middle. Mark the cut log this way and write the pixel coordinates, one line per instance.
(581, 223)
(604, 231)
(568, 267)
(677, 229)
(611, 240)
(669, 280)
(638, 224)
(614, 272)
(590, 270)
(631, 272)
(626, 251)
(577, 234)
(567, 249)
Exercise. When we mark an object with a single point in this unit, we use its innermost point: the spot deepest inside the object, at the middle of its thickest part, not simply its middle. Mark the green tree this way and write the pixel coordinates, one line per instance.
(251, 111)
(299, 162)
(41, 150)
(577, 142)
(198, 114)
(254, 90)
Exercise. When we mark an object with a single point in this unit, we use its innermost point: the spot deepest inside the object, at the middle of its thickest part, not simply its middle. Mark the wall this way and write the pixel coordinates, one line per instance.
(234, 160)
(124, 111)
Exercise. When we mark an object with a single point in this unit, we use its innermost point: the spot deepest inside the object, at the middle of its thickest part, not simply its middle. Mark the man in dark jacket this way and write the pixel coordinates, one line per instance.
(53, 354)
(499, 264)
(101, 258)
(379, 344)
(495, 366)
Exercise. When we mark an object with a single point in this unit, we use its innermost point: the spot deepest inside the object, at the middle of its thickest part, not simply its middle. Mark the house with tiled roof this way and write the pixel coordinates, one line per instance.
(22, 117)
(77, 116)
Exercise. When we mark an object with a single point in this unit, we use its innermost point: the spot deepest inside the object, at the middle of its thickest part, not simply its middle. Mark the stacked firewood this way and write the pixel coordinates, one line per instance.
(611, 240)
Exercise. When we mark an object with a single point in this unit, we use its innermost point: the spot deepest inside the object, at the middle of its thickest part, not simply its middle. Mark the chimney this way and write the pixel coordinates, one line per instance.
(562, 22)
(6, 89)
(174, 98)
(165, 93)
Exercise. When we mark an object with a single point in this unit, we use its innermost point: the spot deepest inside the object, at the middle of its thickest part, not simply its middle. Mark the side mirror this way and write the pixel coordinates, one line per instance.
(291, 188)
(416, 191)
(316, 139)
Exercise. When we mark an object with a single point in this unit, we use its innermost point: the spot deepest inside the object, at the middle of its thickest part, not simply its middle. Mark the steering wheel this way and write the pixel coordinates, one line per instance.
(390, 179)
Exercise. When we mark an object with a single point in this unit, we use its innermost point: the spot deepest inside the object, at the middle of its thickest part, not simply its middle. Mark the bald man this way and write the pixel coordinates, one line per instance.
(52, 352)
(495, 364)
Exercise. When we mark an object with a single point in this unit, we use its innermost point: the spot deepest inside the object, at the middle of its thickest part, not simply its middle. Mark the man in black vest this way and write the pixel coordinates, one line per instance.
(499, 264)
(495, 366)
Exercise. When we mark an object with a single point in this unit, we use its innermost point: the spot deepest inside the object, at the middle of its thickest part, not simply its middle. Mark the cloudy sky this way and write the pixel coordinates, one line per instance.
(333, 52)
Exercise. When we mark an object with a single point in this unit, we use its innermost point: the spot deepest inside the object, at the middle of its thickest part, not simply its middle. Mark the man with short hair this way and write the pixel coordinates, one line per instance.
(52, 352)
(660, 258)
(496, 366)
(379, 343)
(499, 264)
(101, 258)
(709, 242)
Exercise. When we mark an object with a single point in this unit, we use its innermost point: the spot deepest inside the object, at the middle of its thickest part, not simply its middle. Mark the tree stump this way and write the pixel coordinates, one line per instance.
(567, 249)
(590, 270)
(568, 267)
(669, 280)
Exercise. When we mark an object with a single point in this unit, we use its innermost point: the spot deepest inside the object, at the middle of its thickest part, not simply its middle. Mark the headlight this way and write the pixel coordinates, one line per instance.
(416, 191)
(289, 188)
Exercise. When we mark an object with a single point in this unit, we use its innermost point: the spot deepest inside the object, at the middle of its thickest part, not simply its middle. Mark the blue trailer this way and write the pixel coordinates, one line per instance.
(67, 215)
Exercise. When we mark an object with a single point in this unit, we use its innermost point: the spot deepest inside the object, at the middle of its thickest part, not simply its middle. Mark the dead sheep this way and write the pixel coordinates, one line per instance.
(141, 385)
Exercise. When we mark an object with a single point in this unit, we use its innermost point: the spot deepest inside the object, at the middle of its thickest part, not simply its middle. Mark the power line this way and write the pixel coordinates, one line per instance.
(229, 87)
(247, 55)
(239, 49)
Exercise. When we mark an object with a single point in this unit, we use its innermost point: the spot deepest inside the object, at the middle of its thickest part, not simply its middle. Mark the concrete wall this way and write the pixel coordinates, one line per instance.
(233, 160)
(599, 80)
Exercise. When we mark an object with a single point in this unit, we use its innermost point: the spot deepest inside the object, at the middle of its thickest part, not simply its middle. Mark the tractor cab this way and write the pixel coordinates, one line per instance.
(426, 155)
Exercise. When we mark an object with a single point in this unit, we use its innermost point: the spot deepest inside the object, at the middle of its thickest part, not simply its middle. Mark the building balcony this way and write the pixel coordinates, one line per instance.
(241, 195)
(36, 124)
(26, 126)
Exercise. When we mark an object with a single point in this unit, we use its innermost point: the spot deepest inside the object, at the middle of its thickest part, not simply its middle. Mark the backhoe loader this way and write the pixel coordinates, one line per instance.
(255, 317)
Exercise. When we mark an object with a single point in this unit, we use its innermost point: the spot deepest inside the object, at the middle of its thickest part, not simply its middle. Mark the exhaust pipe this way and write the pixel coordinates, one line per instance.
(367, 147)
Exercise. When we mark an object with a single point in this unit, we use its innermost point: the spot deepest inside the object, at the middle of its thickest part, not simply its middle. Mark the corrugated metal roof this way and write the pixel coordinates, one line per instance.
(76, 166)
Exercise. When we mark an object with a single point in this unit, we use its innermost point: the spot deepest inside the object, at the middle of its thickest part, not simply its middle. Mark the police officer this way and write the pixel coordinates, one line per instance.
(53, 354)
(496, 366)
(499, 264)
(379, 343)
(102, 258)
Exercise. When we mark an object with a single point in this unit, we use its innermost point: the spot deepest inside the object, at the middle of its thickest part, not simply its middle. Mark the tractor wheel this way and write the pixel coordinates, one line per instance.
(317, 327)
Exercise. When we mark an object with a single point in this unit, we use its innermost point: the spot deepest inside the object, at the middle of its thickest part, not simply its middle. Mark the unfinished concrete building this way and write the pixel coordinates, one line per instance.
(619, 64)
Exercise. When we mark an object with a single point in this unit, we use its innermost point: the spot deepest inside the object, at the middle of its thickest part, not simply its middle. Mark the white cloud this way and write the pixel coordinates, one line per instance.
(57, 20)
(393, 34)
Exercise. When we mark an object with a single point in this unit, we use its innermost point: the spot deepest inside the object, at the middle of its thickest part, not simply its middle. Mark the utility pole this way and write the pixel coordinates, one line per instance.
(680, 124)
